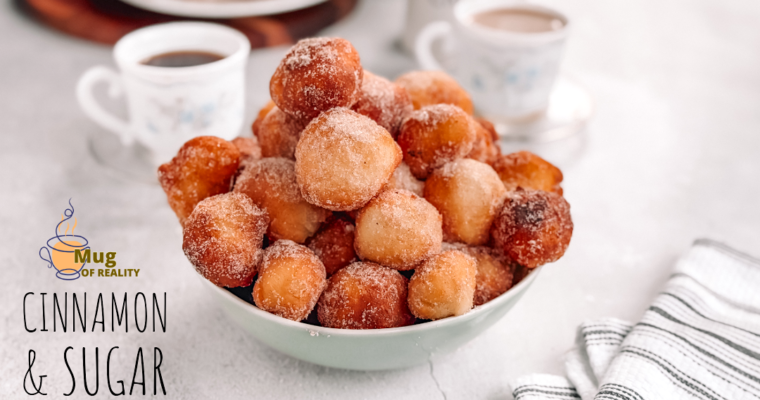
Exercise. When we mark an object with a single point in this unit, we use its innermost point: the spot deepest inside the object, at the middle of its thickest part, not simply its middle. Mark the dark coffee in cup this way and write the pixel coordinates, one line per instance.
(182, 59)
(518, 20)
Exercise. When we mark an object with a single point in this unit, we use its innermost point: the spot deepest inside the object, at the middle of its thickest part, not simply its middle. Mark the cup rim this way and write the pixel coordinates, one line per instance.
(240, 54)
(464, 9)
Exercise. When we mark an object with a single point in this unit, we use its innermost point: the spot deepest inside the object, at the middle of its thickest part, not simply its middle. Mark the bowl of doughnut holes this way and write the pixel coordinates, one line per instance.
(366, 224)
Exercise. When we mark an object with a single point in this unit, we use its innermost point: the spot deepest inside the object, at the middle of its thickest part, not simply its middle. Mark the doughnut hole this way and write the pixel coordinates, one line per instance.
(403, 179)
(398, 229)
(529, 171)
(291, 279)
(434, 87)
(203, 167)
(343, 160)
(334, 243)
(316, 75)
(271, 184)
(468, 195)
(533, 227)
(260, 117)
(484, 149)
(365, 295)
(248, 147)
(279, 134)
(383, 102)
(443, 286)
(222, 238)
(494, 271)
(435, 135)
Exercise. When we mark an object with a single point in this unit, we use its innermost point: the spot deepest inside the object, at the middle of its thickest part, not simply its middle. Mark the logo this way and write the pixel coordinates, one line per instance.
(62, 249)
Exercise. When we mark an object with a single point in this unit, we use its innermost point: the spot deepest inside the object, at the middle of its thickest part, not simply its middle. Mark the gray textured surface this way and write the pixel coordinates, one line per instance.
(672, 155)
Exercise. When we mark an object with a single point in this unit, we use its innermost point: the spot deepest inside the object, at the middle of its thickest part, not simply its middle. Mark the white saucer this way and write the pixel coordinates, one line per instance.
(222, 9)
(570, 108)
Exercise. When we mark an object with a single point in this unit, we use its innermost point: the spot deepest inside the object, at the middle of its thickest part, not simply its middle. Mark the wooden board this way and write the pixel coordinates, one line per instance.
(106, 21)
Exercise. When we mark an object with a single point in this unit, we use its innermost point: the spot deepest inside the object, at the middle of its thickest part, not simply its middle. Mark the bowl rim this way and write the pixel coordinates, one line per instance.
(320, 330)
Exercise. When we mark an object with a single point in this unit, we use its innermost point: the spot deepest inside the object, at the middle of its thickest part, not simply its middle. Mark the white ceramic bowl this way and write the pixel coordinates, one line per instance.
(374, 349)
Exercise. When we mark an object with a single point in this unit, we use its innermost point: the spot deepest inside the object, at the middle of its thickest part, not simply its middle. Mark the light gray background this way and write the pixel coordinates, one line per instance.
(673, 154)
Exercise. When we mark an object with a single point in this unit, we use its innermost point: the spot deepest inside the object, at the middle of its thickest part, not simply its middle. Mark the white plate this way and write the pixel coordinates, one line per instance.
(222, 9)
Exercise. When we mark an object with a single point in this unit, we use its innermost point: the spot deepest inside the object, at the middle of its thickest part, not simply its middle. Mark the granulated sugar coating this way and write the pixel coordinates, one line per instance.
(260, 117)
(485, 148)
(468, 194)
(271, 184)
(316, 75)
(365, 295)
(533, 227)
(343, 160)
(279, 134)
(434, 87)
(334, 243)
(495, 271)
(398, 229)
(248, 147)
(402, 178)
(203, 167)
(435, 135)
(384, 102)
(222, 238)
(443, 286)
(291, 279)
(529, 171)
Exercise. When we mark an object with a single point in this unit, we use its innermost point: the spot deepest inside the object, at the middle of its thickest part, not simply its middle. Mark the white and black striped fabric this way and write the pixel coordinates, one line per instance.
(700, 339)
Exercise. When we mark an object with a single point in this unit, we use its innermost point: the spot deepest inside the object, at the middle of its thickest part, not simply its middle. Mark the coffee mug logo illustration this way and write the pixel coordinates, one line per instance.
(61, 248)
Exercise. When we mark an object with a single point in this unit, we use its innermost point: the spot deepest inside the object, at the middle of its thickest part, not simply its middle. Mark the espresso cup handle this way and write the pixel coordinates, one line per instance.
(423, 45)
(91, 107)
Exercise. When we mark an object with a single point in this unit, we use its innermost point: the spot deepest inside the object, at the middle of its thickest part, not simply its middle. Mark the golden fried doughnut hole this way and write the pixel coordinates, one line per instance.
(383, 102)
(279, 134)
(434, 87)
(485, 148)
(203, 167)
(291, 279)
(316, 75)
(260, 117)
(398, 229)
(402, 178)
(533, 227)
(248, 147)
(443, 286)
(334, 243)
(365, 295)
(468, 195)
(343, 159)
(495, 271)
(222, 238)
(271, 184)
(528, 171)
(435, 135)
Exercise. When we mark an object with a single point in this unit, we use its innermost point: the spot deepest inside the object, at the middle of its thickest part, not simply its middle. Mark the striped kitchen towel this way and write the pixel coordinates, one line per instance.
(700, 339)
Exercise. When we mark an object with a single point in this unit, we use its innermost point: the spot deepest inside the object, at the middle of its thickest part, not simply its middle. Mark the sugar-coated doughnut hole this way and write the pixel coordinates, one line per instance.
(435, 135)
(271, 184)
(248, 147)
(334, 243)
(402, 178)
(529, 171)
(495, 271)
(443, 286)
(222, 238)
(203, 167)
(260, 117)
(291, 279)
(398, 229)
(343, 159)
(365, 295)
(533, 227)
(485, 148)
(279, 134)
(383, 102)
(316, 75)
(434, 87)
(468, 195)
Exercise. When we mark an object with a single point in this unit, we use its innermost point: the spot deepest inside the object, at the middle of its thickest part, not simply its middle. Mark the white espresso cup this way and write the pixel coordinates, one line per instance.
(509, 74)
(169, 105)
